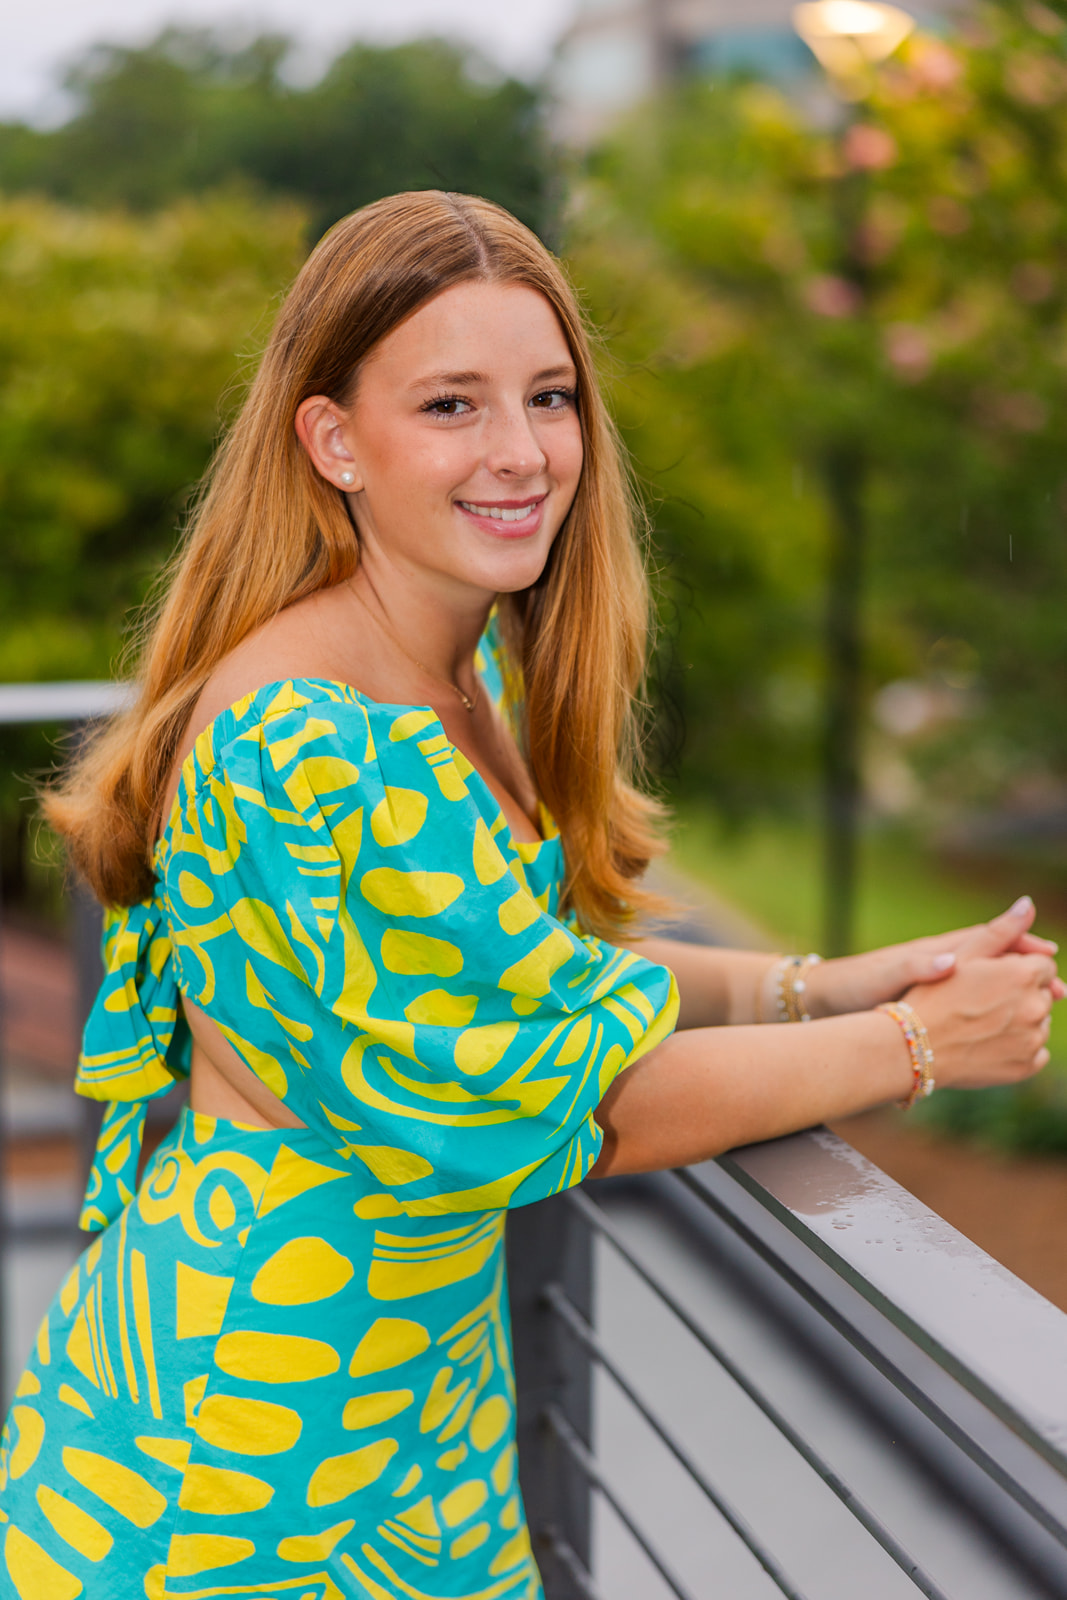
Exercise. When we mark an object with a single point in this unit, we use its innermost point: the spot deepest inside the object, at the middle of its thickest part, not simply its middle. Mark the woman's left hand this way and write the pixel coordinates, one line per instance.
(859, 983)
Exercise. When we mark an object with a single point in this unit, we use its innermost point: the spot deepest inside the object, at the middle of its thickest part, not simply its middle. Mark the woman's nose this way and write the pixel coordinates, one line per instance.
(513, 446)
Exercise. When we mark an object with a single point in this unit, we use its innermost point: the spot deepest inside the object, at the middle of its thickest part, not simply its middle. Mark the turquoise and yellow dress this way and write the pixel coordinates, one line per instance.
(282, 1370)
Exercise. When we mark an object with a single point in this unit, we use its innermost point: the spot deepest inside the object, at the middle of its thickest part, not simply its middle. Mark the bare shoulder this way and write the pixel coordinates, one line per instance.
(282, 648)
(298, 643)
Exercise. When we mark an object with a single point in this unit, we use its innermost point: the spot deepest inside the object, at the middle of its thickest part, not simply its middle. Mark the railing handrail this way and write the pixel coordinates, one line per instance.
(992, 1332)
(61, 702)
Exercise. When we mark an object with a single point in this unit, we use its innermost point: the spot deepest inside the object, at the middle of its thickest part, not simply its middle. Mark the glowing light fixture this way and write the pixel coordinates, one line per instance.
(848, 37)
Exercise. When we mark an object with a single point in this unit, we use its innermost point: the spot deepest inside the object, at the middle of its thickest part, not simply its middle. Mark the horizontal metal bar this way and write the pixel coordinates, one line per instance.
(571, 1562)
(901, 1380)
(61, 702)
(586, 1462)
(587, 1337)
(43, 1232)
(599, 1220)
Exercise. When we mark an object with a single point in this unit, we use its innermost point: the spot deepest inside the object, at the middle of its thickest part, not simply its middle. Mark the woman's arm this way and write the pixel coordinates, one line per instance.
(715, 986)
(718, 986)
(708, 1090)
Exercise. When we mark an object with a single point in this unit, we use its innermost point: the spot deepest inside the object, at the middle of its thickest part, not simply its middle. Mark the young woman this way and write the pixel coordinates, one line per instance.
(370, 844)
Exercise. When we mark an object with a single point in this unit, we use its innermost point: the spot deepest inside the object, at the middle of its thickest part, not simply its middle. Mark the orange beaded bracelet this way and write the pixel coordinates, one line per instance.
(922, 1056)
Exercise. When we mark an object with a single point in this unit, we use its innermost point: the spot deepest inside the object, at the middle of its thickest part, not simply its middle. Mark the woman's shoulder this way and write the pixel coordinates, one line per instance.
(269, 684)
(283, 650)
(280, 678)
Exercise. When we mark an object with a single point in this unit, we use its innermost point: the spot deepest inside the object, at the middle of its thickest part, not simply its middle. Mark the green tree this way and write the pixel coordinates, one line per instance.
(122, 344)
(863, 321)
(189, 112)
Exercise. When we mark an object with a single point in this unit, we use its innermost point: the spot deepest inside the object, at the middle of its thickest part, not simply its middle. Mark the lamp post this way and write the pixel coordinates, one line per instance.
(849, 38)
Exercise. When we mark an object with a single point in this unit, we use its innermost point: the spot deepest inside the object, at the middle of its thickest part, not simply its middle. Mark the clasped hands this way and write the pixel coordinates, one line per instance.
(985, 994)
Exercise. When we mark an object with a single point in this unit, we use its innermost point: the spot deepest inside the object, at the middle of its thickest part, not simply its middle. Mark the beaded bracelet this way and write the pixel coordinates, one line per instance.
(789, 987)
(922, 1056)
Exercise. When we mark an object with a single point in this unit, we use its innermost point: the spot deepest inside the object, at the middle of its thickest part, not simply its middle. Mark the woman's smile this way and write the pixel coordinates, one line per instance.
(506, 519)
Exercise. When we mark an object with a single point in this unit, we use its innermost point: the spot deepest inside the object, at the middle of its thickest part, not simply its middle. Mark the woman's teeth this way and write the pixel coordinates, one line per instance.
(499, 513)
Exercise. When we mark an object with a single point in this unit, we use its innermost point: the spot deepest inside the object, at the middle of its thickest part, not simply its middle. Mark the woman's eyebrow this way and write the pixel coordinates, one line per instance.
(568, 371)
(459, 380)
(456, 379)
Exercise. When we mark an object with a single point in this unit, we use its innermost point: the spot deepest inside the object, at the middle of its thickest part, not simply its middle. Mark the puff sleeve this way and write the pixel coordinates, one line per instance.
(346, 903)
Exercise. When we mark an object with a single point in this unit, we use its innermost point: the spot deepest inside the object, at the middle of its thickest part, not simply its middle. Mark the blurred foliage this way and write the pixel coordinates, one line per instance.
(192, 111)
(1027, 1119)
(119, 337)
(781, 296)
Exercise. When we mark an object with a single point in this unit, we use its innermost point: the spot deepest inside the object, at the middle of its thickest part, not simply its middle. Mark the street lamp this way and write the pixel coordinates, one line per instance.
(848, 37)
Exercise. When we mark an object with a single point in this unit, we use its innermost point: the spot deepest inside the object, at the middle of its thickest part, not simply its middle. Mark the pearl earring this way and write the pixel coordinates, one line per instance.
(348, 478)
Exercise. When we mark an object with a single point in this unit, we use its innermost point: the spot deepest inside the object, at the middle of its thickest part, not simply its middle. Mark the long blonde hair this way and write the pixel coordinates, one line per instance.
(268, 530)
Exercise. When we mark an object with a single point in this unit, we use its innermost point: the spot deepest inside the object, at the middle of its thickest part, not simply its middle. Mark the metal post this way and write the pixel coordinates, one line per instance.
(548, 1243)
(86, 925)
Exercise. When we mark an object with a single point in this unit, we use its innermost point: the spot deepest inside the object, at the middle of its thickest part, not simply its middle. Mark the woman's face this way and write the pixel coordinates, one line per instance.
(463, 439)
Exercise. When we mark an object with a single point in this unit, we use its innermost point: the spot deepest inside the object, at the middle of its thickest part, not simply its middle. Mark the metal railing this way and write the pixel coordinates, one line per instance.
(946, 1377)
(947, 1356)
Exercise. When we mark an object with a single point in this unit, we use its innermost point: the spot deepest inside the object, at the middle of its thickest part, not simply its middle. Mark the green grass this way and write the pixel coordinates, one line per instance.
(770, 873)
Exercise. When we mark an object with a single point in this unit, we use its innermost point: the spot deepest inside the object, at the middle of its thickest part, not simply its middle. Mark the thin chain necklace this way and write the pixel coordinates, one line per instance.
(468, 704)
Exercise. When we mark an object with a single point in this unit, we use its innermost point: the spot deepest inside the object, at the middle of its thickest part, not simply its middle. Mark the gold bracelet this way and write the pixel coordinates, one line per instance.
(922, 1056)
(790, 987)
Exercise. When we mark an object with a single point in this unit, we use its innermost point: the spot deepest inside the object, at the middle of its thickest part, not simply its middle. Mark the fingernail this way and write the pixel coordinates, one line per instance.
(1053, 947)
(1021, 906)
(943, 962)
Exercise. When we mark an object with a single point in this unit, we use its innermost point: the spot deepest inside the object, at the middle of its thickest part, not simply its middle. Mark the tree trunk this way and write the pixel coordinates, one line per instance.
(842, 786)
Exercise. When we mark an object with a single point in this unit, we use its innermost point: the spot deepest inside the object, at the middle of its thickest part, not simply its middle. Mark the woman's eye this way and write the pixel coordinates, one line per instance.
(553, 399)
(449, 405)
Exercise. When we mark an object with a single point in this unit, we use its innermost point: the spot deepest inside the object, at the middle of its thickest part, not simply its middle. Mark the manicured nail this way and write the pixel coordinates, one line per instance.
(943, 962)
(1021, 906)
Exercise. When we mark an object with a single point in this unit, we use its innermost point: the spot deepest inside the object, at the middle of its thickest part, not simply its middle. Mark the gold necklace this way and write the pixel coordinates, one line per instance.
(468, 704)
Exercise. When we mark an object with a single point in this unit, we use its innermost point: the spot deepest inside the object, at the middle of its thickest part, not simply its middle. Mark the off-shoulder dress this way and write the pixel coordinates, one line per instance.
(282, 1370)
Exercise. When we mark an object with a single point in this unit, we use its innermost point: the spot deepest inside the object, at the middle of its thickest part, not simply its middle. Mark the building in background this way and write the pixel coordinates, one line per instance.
(616, 52)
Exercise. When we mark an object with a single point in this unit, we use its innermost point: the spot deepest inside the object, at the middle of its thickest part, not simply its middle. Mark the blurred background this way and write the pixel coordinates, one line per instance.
(825, 246)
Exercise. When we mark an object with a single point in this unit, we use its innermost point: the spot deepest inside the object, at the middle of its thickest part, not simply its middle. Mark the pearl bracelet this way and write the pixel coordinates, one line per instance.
(922, 1056)
(790, 986)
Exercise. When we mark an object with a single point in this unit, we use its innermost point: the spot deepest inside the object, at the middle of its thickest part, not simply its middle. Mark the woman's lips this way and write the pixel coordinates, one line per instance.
(511, 521)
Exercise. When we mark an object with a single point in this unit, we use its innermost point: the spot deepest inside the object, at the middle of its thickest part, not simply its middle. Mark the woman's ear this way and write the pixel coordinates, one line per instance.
(320, 426)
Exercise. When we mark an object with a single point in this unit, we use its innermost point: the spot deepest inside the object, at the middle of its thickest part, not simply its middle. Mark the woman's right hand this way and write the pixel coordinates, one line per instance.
(989, 1022)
